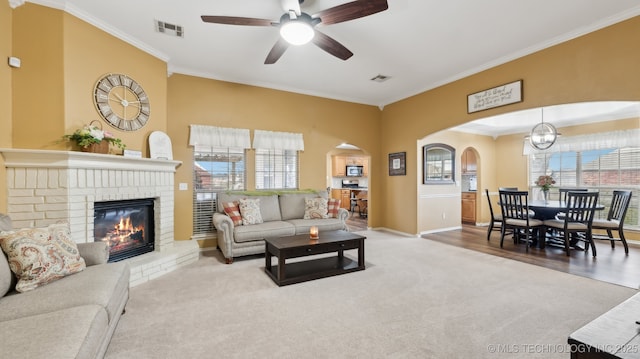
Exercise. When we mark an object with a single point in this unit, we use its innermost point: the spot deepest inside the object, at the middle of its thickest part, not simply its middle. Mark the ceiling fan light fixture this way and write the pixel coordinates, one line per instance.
(296, 32)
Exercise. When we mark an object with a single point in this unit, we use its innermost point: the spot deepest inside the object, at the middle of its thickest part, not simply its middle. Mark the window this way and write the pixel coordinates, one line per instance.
(276, 169)
(214, 170)
(438, 164)
(605, 170)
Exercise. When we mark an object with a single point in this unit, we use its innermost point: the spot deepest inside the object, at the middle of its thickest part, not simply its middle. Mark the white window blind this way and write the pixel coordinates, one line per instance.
(276, 169)
(277, 159)
(595, 167)
(218, 165)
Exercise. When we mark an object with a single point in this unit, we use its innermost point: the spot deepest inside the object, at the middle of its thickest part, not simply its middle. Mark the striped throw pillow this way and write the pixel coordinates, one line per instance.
(233, 211)
(333, 204)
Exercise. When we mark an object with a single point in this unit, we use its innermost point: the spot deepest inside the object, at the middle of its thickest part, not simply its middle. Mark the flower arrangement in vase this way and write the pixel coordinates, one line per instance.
(92, 138)
(545, 182)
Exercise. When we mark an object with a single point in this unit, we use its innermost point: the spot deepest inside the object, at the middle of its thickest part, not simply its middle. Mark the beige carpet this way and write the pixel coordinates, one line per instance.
(416, 299)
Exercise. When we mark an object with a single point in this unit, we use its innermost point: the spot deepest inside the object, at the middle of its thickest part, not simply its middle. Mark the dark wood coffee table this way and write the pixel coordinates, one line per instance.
(302, 246)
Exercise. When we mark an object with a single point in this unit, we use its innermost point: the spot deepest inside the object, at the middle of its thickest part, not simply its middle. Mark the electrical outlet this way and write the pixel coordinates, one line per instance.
(444, 215)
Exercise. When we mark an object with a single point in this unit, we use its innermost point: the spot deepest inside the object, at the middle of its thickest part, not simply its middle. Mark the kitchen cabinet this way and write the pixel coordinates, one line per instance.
(339, 166)
(468, 207)
(340, 163)
(469, 165)
(344, 195)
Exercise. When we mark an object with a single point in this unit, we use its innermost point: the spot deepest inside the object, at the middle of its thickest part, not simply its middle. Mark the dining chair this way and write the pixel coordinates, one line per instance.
(562, 192)
(577, 221)
(514, 206)
(508, 188)
(615, 219)
(562, 196)
(362, 203)
(496, 218)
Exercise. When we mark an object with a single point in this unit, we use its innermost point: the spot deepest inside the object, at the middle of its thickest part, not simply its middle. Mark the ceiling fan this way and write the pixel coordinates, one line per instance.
(297, 27)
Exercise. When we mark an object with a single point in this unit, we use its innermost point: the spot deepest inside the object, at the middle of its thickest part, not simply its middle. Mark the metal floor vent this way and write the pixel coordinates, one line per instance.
(380, 78)
(169, 29)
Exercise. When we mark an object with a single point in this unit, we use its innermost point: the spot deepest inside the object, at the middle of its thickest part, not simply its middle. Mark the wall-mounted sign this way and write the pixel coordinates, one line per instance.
(495, 97)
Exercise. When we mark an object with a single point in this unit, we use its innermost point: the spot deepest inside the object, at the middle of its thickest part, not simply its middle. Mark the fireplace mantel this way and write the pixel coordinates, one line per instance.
(23, 158)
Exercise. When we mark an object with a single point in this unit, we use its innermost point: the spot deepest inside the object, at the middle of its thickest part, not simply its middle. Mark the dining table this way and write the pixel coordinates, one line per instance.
(544, 210)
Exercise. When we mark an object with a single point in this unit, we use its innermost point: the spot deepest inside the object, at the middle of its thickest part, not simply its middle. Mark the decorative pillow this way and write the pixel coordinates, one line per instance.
(333, 204)
(233, 211)
(250, 210)
(315, 208)
(39, 256)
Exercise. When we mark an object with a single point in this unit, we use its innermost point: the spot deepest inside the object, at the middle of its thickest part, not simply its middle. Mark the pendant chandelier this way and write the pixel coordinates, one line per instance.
(543, 135)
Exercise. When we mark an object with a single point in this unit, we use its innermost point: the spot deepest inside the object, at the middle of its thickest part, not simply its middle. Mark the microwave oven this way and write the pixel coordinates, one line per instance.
(354, 171)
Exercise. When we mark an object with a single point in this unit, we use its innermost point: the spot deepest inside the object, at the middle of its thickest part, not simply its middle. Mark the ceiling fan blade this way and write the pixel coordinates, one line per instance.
(234, 20)
(276, 51)
(331, 46)
(288, 5)
(351, 10)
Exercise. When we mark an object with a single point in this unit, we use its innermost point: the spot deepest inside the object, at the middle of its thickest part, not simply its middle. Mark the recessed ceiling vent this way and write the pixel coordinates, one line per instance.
(169, 29)
(380, 78)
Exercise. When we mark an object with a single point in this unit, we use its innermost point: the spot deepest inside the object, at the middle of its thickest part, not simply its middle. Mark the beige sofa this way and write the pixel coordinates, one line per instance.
(72, 317)
(282, 213)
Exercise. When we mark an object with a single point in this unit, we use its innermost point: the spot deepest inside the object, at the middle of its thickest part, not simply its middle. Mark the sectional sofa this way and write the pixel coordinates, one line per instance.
(71, 317)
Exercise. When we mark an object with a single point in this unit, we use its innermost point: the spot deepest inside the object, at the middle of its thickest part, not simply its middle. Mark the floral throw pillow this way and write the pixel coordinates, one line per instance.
(250, 210)
(315, 208)
(333, 204)
(233, 211)
(38, 256)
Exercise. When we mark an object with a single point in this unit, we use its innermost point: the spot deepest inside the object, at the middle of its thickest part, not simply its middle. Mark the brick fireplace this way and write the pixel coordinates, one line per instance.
(46, 186)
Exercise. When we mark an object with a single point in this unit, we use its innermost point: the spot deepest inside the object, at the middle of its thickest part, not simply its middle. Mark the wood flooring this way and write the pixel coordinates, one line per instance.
(356, 223)
(610, 265)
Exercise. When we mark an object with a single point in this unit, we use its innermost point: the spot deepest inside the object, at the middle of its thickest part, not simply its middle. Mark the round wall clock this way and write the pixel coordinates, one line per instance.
(121, 102)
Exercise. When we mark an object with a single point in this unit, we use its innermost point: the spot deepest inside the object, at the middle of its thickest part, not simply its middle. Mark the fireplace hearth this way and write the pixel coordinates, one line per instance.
(127, 227)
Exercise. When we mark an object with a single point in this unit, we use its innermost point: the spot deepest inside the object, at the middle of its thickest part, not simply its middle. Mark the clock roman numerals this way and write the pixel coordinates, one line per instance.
(122, 102)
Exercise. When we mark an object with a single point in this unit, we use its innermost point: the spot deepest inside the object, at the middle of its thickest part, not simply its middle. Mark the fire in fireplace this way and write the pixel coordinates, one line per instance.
(126, 226)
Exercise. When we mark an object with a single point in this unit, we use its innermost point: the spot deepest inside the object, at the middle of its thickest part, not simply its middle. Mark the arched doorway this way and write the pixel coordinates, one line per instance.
(469, 171)
(349, 172)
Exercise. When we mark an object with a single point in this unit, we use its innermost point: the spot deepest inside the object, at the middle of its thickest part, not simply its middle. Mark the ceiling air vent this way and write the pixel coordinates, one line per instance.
(380, 78)
(169, 29)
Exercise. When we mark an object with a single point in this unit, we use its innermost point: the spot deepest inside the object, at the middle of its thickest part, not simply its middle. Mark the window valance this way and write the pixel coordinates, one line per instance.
(278, 140)
(594, 141)
(222, 137)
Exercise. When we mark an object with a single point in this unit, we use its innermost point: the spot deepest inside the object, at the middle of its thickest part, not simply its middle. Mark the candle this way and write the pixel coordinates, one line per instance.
(313, 232)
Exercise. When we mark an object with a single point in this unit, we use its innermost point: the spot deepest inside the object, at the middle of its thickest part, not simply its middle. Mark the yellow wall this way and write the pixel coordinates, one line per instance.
(323, 123)
(5, 93)
(63, 57)
(90, 53)
(598, 66)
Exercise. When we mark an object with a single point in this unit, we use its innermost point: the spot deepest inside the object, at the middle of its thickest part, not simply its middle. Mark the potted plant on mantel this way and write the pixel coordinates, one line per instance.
(92, 138)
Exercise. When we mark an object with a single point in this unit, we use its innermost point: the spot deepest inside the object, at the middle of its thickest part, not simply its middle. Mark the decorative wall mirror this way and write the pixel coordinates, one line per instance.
(439, 164)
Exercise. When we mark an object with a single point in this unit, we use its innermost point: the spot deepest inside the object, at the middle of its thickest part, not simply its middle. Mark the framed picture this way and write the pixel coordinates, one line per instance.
(398, 164)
